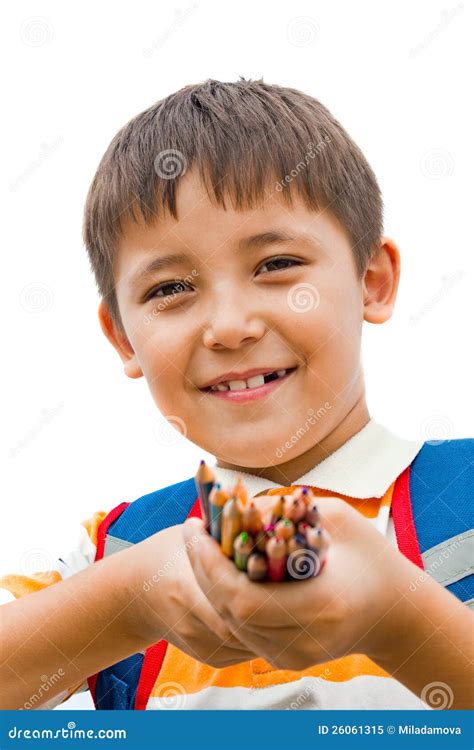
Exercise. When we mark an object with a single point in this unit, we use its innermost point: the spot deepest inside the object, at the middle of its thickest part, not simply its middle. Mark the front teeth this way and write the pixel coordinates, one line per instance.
(240, 385)
(237, 385)
(256, 381)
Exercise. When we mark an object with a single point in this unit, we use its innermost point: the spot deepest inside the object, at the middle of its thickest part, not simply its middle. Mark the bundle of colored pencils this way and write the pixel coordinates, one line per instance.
(270, 537)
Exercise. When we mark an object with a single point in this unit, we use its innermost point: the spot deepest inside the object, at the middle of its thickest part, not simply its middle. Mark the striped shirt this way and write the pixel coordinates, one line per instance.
(363, 473)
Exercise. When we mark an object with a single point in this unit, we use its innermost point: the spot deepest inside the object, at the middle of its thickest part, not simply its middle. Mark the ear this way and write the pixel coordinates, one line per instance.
(120, 342)
(380, 282)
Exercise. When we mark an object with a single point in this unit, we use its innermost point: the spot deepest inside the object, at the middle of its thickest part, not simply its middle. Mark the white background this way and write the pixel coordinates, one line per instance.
(77, 435)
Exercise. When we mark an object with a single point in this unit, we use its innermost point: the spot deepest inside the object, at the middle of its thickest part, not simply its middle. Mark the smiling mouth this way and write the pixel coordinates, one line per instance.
(257, 381)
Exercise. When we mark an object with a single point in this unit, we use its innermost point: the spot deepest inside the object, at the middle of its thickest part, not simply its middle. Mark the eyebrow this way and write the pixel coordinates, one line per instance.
(253, 242)
(277, 237)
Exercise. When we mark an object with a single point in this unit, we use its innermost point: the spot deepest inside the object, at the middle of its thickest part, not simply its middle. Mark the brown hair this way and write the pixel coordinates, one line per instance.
(241, 136)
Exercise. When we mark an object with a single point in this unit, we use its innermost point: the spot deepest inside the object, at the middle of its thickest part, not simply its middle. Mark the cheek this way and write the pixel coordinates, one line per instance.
(329, 338)
(163, 355)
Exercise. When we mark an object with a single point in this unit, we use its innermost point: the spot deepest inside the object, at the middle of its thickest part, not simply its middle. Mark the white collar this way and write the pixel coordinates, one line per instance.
(364, 466)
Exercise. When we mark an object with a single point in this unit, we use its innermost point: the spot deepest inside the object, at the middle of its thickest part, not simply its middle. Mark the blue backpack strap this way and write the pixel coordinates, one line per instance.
(116, 686)
(154, 512)
(442, 494)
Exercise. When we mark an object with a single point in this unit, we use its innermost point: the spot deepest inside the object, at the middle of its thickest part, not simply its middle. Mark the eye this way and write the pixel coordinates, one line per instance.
(168, 289)
(280, 263)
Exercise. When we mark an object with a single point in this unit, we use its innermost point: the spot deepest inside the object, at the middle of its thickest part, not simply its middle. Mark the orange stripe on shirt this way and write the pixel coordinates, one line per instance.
(367, 507)
(192, 676)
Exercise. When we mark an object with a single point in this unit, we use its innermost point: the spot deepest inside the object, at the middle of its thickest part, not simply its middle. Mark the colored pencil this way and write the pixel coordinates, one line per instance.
(231, 525)
(217, 499)
(204, 481)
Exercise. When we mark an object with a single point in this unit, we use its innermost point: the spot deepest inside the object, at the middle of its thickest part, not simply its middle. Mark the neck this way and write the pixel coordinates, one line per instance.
(286, 473)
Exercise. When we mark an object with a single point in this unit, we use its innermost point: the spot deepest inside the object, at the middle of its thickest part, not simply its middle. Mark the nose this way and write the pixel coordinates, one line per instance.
(232, 322)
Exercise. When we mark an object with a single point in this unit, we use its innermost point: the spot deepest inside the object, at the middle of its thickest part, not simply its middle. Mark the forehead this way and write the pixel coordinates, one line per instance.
(202, 225)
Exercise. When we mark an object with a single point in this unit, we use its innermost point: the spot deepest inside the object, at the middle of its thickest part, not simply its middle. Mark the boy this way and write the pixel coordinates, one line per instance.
(235, 232)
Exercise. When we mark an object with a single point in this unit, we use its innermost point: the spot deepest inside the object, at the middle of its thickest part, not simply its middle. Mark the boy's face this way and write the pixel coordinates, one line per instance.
(239, 309)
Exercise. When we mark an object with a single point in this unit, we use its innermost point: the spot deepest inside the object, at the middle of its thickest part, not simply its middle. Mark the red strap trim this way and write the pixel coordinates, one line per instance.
(104, 527)
(405, 530)
(196, 510)
(154, 655)
(151, 666)
(92, 681)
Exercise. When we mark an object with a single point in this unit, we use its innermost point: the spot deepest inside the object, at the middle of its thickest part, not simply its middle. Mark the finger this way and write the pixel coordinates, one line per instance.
(231, 593)
(236, 598)
(216, 575)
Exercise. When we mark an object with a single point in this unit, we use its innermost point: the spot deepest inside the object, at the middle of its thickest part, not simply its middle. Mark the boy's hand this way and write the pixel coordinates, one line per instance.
(174, 607)
(296, 624)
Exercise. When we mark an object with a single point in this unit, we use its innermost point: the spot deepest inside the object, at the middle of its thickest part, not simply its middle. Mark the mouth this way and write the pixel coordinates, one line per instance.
(250, 388)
